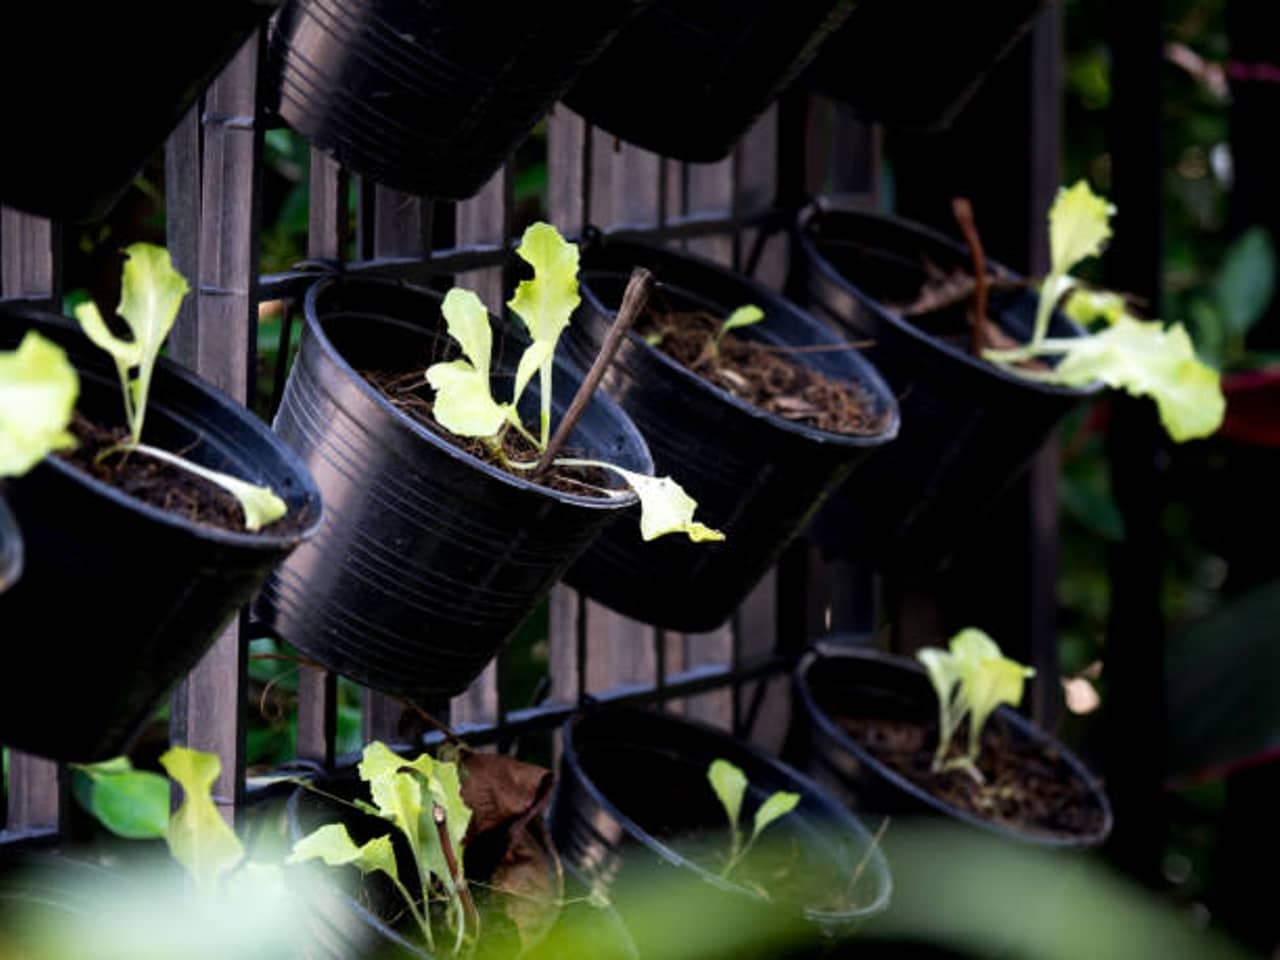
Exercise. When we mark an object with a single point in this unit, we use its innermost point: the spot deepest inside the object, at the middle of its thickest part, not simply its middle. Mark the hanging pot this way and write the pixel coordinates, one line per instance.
(914, 64)
(429, 558)
(969, 426)
(756, 476)
(840, 690)
(125, 75)
(10, 548)
(633, 810)
(119, 599)
(430, 97)
(687, 77)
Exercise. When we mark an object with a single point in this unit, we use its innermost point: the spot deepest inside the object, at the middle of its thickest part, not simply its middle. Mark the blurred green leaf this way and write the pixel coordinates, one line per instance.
(130, 803)
(1247, 280)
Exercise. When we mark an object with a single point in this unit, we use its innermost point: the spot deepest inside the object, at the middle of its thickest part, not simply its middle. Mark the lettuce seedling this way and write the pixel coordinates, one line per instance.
(970, 680)
(1141, 357)
(742, 317)
(422, 799)
(151, 292)
(464, 402)
(730, 786)
(38, 391)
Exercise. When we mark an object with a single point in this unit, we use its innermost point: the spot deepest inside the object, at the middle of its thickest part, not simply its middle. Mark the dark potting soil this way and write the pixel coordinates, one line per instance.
(160, 484)
(409, 392)
(762, 375)
(1028, 788)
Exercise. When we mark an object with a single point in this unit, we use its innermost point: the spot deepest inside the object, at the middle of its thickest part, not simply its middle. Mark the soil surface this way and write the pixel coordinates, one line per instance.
(762, 375)
(409, 392)
(1027, 788)
(160, 484)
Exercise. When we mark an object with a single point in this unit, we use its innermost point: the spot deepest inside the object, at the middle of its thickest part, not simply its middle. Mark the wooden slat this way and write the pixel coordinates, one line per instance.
(207, 710)
(34, 798)
(182, 160)
(485, 219)
(326, 228)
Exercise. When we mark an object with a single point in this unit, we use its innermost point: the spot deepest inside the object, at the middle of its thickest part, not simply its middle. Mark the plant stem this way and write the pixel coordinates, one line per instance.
(633, 303)
(459, 881)
(962, 210)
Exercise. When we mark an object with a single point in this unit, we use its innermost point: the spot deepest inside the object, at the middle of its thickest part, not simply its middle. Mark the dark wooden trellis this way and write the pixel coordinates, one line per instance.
(734, 211)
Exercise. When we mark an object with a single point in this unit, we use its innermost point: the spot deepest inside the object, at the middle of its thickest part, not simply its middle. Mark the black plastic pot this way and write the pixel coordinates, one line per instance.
(10, 548)
(430, 97)
(969, 427)
(120, 89)
(630, 781)
(119, 599)
(871, 683)
(914, 64)
(756, 476)
(428, 558)
(687, 77)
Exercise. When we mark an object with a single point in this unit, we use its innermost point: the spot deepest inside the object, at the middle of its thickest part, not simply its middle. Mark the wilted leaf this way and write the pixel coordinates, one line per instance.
(198, 837)
(260, 504)
(38, 390)
(499, 789)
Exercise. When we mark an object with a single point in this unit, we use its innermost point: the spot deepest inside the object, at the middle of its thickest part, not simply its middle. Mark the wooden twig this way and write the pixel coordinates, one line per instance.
(962, 210)
(634, 300)
(451, 861)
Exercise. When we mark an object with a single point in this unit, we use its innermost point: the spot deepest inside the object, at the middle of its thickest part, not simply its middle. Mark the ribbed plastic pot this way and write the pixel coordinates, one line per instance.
(872, 683)
(120, 90)
(348, 922)
(10, 547)
(430, 96)
(688, 77)
(969, 427)
(428, 558)
(119, 599)
(628, 779)
(757, 477)
(914, 64)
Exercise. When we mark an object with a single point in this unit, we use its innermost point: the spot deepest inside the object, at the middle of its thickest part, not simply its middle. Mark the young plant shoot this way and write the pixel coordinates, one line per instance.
(464, 401)
(38, 391)
(970, 680)
(730, 786)
(422, 799)
(742, 317)
(151, 292)
(1141, 357)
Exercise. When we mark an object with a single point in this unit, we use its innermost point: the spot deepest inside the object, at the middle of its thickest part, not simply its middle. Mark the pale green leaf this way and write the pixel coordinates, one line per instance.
(546, 302)
(151, 291)
(130, 803)
(378, 760)
(126, 352)
(742, 317)
(534, 356)
(1086, 307)
(730, 785)
(941, 668)
(38, 390)
(446, 790)
(1079, 225)
(778, 805)
(333, 845)
(1145, 359)
(198, 837)
(464, 403)
(468, 323)
(664, 506)
(261, 505)
(971, 646)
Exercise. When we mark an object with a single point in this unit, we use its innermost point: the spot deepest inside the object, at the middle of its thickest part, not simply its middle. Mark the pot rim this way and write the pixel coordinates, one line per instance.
(876, 861)
(315, 328)
(267, 542)
(819, 208)
(818, 716)
(871, 381)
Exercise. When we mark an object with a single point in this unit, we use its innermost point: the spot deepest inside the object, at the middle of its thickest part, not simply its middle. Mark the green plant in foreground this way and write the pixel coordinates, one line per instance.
(464, 401)
(151, 292)
(422, 799)
(1141, 357)
(971, 679)
(38, 391)
(730, 786)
